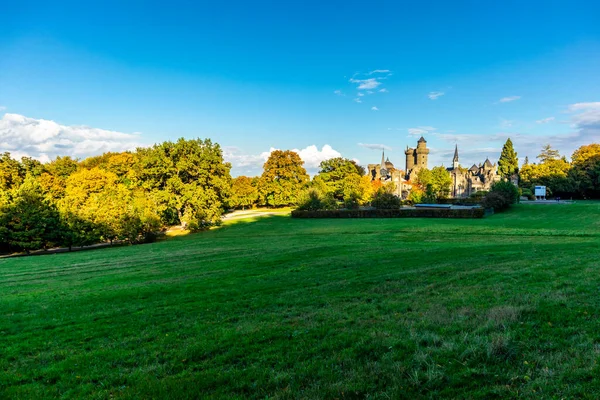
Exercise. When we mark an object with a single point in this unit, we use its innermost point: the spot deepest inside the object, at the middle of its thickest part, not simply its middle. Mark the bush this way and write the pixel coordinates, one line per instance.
(384, 200)
(527, 193)
(479, 195)
(352, 201)
(506, 189)
(313, 200)
(502, 195)
(496, 201)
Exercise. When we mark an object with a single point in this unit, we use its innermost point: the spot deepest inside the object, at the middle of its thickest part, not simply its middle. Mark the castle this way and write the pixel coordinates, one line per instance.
(464, 181)
(468, 181)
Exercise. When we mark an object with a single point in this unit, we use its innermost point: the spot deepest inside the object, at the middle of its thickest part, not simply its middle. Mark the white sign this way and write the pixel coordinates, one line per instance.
(540, 191)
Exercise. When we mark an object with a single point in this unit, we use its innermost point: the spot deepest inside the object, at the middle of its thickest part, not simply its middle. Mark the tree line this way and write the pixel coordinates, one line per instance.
(132, 196)
(578, 178)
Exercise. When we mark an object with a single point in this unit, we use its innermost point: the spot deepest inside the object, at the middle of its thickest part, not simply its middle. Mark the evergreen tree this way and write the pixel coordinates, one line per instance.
(508, 164)
(548, 154)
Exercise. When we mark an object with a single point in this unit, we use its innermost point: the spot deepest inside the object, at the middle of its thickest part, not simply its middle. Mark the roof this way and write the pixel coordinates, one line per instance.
(455, 154)
(422, 140)
(487, 163)
(474, 168)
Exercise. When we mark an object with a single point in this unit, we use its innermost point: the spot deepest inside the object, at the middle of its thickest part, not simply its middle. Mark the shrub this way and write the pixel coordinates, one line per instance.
(527, 193)
(313, 200)
(384, 200)
(496, 201)
(506, 189)
(502, 195)
(352, 201)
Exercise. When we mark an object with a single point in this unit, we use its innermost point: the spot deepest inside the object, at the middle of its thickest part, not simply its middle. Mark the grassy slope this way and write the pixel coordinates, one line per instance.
(503, 306)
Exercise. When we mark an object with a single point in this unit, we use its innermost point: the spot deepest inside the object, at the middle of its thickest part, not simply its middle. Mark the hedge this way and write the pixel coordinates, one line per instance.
(396, 213)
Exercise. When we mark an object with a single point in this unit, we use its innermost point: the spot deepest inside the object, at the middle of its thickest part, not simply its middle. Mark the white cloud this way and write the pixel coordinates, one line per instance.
(586, 119)
(360, 94)
(435, 95)
(374, 108)
(545, 120)
(2, 108)
(509, 99)
(379, 71)
(384, 90)
(312, 156)
(338, 92)
(375, 146)
(252, 164)
(44, 139)
(420, 130)
(370, 83)
(358, 100)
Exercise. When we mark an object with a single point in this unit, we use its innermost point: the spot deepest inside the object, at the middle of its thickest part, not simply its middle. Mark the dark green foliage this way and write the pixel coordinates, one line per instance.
(312, 199)
(502, 195)
(384, 200)
(352, 201)
(528, 193)
(508, 164)
(29, 222)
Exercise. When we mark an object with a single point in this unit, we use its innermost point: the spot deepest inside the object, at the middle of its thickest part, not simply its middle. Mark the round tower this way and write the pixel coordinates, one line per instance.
(410, 159)
(422, 152)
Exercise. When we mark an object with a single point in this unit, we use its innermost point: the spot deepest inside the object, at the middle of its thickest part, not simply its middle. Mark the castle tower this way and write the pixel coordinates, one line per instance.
(455, 159)
(410, 159)
(422, 153)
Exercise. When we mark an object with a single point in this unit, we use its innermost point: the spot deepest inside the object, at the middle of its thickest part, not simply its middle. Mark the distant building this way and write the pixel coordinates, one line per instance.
(464, 181)
(416, 159)
(468, 181)
(387, 173)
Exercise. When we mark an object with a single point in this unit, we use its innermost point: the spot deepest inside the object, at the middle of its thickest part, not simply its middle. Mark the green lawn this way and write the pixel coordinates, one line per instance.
(506, 306)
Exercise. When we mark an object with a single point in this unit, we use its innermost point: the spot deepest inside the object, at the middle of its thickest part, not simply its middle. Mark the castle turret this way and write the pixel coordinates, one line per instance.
(410, 159)
(422, 153)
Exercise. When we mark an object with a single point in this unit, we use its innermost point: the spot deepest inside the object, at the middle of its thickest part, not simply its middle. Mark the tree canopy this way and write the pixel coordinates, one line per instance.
(283, 178)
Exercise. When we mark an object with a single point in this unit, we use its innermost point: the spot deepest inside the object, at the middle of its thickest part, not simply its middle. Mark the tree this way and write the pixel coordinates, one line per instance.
(283, 178)
(435, 183)
(508, 164)
(29, 222)
(11, 172)
(243, 193)
(188, 179)
(585, 173)
(548, 153)
(335, 171)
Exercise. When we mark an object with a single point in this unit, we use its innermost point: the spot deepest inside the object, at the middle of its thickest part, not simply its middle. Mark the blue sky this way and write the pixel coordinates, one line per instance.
(81, 78)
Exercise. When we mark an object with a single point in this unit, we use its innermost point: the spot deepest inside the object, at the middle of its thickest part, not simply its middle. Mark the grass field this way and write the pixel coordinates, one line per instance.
(506, 306)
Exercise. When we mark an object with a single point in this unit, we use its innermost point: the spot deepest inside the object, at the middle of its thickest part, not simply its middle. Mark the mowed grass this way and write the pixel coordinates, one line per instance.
(506, 306)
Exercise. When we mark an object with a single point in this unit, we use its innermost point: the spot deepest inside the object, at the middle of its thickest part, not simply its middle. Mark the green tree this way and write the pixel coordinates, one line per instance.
(585, 173)
(243, 193)
(29, 222)
(11, 172)
(548, 153)
(435, 183)
(508, 164)
(188, 179)
(283, 178)
(335, 171)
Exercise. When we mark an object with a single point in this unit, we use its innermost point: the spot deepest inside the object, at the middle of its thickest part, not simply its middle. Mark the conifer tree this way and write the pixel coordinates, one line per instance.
(508, 164)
